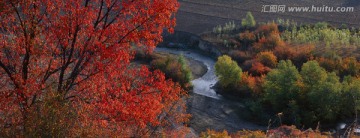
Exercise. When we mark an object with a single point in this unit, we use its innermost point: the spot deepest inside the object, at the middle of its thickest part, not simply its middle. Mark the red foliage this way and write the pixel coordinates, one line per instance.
(82, 49)
(269, 38)
(258, 69)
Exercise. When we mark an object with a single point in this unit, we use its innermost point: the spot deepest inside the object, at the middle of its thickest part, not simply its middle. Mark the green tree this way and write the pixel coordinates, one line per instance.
(312, 74)
(324, 100)
(281, 85)
(322, 92)
(248, 21)
(350, 96)
(228, 72)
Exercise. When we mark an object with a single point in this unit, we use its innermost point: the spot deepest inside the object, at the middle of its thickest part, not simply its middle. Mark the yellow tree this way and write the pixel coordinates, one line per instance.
(228, 71)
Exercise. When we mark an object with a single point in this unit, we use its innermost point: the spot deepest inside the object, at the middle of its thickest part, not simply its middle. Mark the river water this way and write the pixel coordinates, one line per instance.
(203, 85)
(208, 109)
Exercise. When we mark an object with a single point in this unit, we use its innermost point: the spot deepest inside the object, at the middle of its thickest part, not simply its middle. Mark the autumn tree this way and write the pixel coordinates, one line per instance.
(281, 85)
(350, 97)
(259, 69)
(247, 38)
(228, 72)
(267, 58)
(321, 91)
(248, 21)
(268, 38)
(81, 50)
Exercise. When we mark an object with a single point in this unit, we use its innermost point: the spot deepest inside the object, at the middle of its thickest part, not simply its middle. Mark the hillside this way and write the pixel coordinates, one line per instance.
(197, 16)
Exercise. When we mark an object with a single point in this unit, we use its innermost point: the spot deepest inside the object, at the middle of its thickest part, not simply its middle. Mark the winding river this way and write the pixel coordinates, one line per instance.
(210, 110)
(203, 85)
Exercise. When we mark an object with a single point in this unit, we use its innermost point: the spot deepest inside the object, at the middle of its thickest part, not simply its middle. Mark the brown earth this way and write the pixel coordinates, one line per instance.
(198, 16)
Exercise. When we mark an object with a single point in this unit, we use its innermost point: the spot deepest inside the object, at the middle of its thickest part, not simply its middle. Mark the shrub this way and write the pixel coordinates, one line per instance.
(284, 52)
(292, 131)
(239, 56)
(175, 68)
(214, 134)
(186, 72)
(228, 72)
(303, 53)
(227, 28)
(52, 117)
(268, 38)
(248, 134)
(267, 58)
(247, 38)
(267, 30)
(246, 66)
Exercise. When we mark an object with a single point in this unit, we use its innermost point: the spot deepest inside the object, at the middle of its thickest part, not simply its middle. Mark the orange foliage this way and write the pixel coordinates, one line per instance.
(247, 38)
(249, 134)
(259, 69)
(292, 131)
(343, 67)
(267, 58)
(284, 52)
(303, 54)
(328, 64)
(267, 29)
(254, 83)
(214, 134)
(280, 132)
(269, 40)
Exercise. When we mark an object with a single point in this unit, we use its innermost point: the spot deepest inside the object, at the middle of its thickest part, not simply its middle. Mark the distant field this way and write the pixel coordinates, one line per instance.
(197, 16)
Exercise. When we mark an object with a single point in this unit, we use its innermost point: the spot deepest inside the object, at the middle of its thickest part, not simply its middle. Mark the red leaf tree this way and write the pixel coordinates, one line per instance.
(81, 50)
